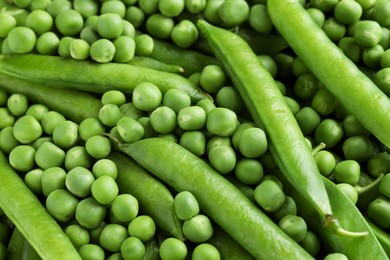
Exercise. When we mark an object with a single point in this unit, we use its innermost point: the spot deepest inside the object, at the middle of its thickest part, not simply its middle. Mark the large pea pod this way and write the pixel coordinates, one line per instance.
(19, 248)
(24, 209)
(217, 197)
(343, 79)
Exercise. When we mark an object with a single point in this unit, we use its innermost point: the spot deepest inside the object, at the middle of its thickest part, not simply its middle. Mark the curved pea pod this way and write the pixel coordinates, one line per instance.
(59, 72)
(217, 197)
(363, 247)
(348, 84)
(382, 236)
(151, 250)
(73, 104)
(154, 198)
(147, 62)
(20, 249)
(24, 209)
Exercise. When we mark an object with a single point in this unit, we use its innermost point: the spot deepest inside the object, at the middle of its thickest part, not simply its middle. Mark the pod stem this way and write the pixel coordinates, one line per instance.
(368, 187)
(318, 148)
(332, 225)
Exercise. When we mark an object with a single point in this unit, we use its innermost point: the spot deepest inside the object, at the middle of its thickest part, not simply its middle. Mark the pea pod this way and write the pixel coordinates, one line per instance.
(349, 85)
(24, 209)
(154, 198)
(58, 72)
(19, 248)
(382, 236)
(217, 197)
(268, 108)
(147, 62)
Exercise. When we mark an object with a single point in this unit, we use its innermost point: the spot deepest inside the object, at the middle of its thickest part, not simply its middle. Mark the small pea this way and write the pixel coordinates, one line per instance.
(125, 207)
(21, 158)
(173, 248)
(105, 167)
(186, 205)
(130, 129)
(49, 155)
(294, 226)
(229, 97)
(90, 127)
(124, 48)
(358, 148)
(384, 185)
(109, 114)
(132, 248)
(269, 195)
(79, 181)
(37, 110)
(8, 22)
(104, 189)
(329, 131)
(222, 158)
(184, 34)
(159, 26)
(61, 204)
(69, 22)
(326, 162)
(115, 6)
(21, 40)
(198, 229)
(53, 178)
(98, 146)
(79, 49)
(40, 21)
(144, 45)
(249, 171)
(311, 243)
(221, 121)
(191, 118)
(90, 213)
(163, 120)
(102, 51)
(206, 251)
(17, 104)
(259, 18)
(234, 12)
(65, 134)
(112, 237)
(367, 33)
(135, 15)
(212, 78)
(289, 207)
(253, 142)
(176, 99)
(349, 191)
(77, 234)
(142, 227)
(146, 96)
(109, 25)
(33, 180)
(347, 171)
(7, 139)
(91, 251)
(27, 129)
(194, 141)
(77, 156)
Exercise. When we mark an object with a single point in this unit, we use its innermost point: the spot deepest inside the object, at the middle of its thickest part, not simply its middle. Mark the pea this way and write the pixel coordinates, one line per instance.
(125, 207)
(104, 189)
(366, 4)
(171, 8)
(308, 119)
(129, 110)
(53, 178)
(176, 99)
(349, 191)
(367, 33)
(173, 249)
(130, 129)
(289, 207)
(211, 11)
(323, 102)
(132, 248)
(348, 12)
(78, 181)
(115, 6)
(334, 29)
(112, 237)
(311, 243)
(206, 251)
(191, 118)
(159, 26)
(27, 129)
(7, 139)
(352, 50)
(33, 180)
(98, 146)
(222, 158)
(79, 49)
(89, 213)
(358, 148)
(195, 6)
(292, 104)
(253, 142)
(69, 22)
(146, 96)
(21, 40)
(212, 78)
(259, 18)
(49, 155)
(86, 8)
(56, 6)
(109, 114)
(40, 21)
(17, 104)
(148, 129)
(124, 48)
(233, 12)
(65, 134)
(352, 127)
(381, 10)
(163, 120)
(102, 51)
(21, 158)
(135, 15)
(105, 167)
(37, 110)
(306, 86)
(229, 97)
(335, 256)
(186, 206)
(89, 35)
(8, 23)
(144, 45)
(142, 227)
(148, 6)
(7, 118)
(378, 163)
(317, 15)
(184, 34)
(64, 46)
(198, 229)
(221, 121)
(90, 127)
(371, 56)
(249, 171)
(293, 226)
(384, 185)
(326, 162)
(329, 131)
(269, 195)
(77, 156)
(77, 234)
(95, 233)
(61, 204)
(381, 80)
(206, 104)
(347, 171)
(91, 251)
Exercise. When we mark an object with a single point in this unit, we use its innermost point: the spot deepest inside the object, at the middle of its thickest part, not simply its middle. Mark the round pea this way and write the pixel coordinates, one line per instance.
(27, 129)
(86, 8)
(269, 195)
(125, 207)
(130, 129)
(211, 11)
(135, 15)
(49, 155)
(56, 6)
(206, 104)
(132, 248)
(8, 22)
(381, 11)
(112, 237)
(212, 78)
(184, 33)
(191, 118)
(77, 156)
(98, 146)
(146, 96)
(329, 131)
(40, 21)
(65, 134)
(253, 142)
(382, 78)
(194, 141)
(198, 229)
(186, 206)
(171, 8)
(114, 6)
(90, 213)
(222, 158)
(249, 171)
(109, 25)
(348, 12)
(21, 158)
(163, 120)
(234, 12)
(176, 99)
(294, 226)
(229, 97)
(124, 48)
(148, 6)
(352, 127)
(335, 256)
(104, 189)
(109, 114)
(349, 191)
(7, 118)
(311, 243)
(64, 46)
(358, 148)
(33, 180)
(289, 207)
(306, 86)
(142, 227)
(21, 40)
(144, 45)
(325, 161)
(129, 110)
(78, 235)
(79, 49)
(379, 211)
(79, 181)
(37, 110)
(159, 26)
(61, 204)
(17, 104)
(7, 139)
(195, 6)
(221, 121)
(173, 249)
(308, 119)
(347, 171)
(91, 251)
(367, 33)
(259, 18)
(102, 51)
(69, 22)
(206, 251)
(90, 127)
(323, 102)
(105, 167)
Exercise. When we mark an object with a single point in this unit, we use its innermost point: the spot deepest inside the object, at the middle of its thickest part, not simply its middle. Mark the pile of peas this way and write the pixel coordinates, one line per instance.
(66, 163)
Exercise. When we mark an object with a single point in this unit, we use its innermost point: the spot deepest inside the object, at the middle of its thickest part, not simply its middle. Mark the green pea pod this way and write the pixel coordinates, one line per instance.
(73, 104)
(382, 236)
(58, 72)
(217, 197)
(268, 108)
(147, 62)
(343, 79)
(154, 198)
(24, 209)
(152, 250)
(20, 249)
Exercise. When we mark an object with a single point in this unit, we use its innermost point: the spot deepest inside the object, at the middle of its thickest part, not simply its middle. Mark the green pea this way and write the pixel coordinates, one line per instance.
(198, 229)
(104, 189)
(335, 256)
(105, 167)
(211, 11)
(171, 8)
(249, 171)
(148, 6)
(79, 49)
(237, 133)
(142, 227)
(329, 131)
(53, 179)
(146, 96)
(253, 142)
(98, 146)
(289, 207)
(37, 143)
(89, 35)
(195, 6)
(37, 110)
(215, 141)
(129, 110)
(69, 22)
(132, 248)
(191, 118)
(326, 162)
(21, 40)
(259, 18)
(86, 8)
(229, 97)
(381, 11)
(385, 40)
(234, 12)
(366, 4)
(7, 118)
(135, 15)
(194, 141)
(269, 195)
(347, 171)
(358, 148)
(334, 29)
(381, 79)
(206, 251)
(109, 114)
(49, 155)
(102, 51)
(65, 134)
(64, 46)
(77, 156)
(148, 129)
(109, 25)
(352, 126)
(144, 45)
(90, 213)
(323, 102)
(367, 33)
(56, 6)
(79, 181)
(212, 78)
(294, 106)
(176, 99)
(352, 50)
(311, 243)
(385, 59)
(130, 129)
(222, 158)
(378, 211)
(27, 129)
(185, 33)
(159, 26)
(317, 15)
(21, 158)
(112, 237)
(173, 249)
(61, 204)
(17, 104)
(163, 120)
(124, 48)
(90, 127)
(115, 6)
(33, 180)
(91, 251)
(95, 232)
(378, 163)
(324, 6)
(294, 226)
(125, 207)
(306, 86)
(348, 12)
(77, 234)
(299, 68)
(206, 104)
(284, 63)
(307, 119)
(349, 191)
(8, 22)
(371, 56)
(7, 139)
(186, 206)
(40, 21)
(221, 121)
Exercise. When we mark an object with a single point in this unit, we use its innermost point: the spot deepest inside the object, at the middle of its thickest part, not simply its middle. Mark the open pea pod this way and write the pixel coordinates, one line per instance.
(349, 216)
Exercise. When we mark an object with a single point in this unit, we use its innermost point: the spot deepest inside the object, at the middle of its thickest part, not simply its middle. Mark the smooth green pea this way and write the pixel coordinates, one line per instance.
(367, 33)
(159, 26)
(207, 104)
(142, 227)
(89, 35)
(113, 6)
(77, 156)
(299, 67)
(191, 118)
(132, 248)
(37, 110)
(98, 146)
(124, 49)
(65, 134)
(109, 25)
(269, 195)
(294, 226)
(348, 11)
(215, 141)
(49, 155)
(371, 56)
(358, 148)
(311, 243)
(171, 8)
(17, 104)
(8, 22)
(144, 45)
(21, 40)
(90, 127)
(233, 12)
(43, 139)
(378, 163)
(173, 249)
(146, 96)
(306, 86)
(135, 15)
(61, 204)
(27, 129)
(317, 15)
(289, 207)
(334, 29)
(259, 18)
(221, 121)
(194, 141)
(366, 4)
(385, 59)
(206, 251)
(198, 229)
(324, 6)
(350, 48)
(40, 21)
(269, 64)
(104, 189)
(7, 119)
(90, 213)
(186, 206)
(56, 6)
(326, 162)
(229, 97)
(129, 110)
(222, 158)
(238, 131)
(163, 120)
(130, 129)
(195, 6)
(184, 33)
(176, 99)
(125, 207)
(148, 129)
(381, 11)
(109, 114)
(7, 139)
(352, 126)
(253, 142)
(382, 80)
(347, 171)
(308, 119)
(91, 252)
(102, 51)
(86, 7)
(78, 235)
(148, 6)
(211, 11)
(212, 78)
(64, 46)
(112, 237)
(21, 158)
(79, 49)
(323, 102)
(349, 191)
(294, 106)
(249, 171)
(79, 181)
(69, 22)
(33, 180)
(379, 211)
(105, 167)
(284, 63)
(53, 179)
(329, 131)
